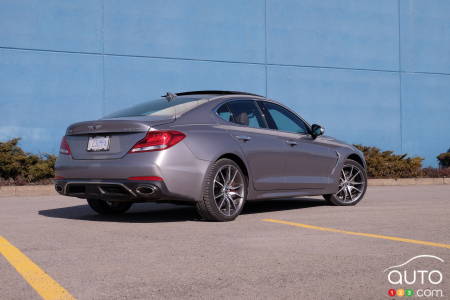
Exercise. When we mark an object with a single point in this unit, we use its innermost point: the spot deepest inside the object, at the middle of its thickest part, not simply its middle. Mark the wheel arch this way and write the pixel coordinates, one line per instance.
(358, 159)
(240, 162)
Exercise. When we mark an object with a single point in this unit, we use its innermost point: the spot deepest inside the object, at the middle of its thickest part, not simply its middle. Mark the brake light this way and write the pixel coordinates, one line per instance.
(158, 140)
(64, 148)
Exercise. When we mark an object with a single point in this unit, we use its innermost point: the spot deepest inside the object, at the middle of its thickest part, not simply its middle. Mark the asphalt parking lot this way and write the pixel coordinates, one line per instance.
(164, 251)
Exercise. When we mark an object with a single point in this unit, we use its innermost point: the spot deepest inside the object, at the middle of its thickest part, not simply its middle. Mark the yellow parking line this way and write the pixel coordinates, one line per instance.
(377, 236)
(44, 285)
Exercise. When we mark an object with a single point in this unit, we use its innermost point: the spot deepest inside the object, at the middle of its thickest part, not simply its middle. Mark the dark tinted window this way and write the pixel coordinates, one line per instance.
(285, 120)
(225, 113)
(246, 113)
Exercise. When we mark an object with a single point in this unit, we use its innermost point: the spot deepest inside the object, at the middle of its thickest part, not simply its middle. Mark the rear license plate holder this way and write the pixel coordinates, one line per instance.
(98, 143)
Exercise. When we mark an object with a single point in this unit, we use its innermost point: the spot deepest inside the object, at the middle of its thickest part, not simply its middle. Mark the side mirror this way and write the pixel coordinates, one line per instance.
(316, 130)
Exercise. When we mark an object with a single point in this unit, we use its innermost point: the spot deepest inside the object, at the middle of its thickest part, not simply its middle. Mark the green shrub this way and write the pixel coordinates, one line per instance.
(19, 167)
(386, 164)
(444, 159)
(436, 172)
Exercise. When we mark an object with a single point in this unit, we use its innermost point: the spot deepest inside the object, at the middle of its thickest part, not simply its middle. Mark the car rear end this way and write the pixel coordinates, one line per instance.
(130, 156)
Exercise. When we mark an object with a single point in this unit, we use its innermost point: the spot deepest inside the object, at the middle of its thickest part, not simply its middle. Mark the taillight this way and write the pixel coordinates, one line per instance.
(158, 140)
(64, 148)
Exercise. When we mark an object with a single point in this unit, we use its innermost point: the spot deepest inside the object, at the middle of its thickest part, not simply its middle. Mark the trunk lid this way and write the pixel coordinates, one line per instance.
(123, 134)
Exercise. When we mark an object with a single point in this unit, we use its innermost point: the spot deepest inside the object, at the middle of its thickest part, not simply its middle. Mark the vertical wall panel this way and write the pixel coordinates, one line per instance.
(130, 80)
(425, 34)
(41, 93)
(355, 106)
(350, 34)
(231, 30)
(426, 115)
(51, 24)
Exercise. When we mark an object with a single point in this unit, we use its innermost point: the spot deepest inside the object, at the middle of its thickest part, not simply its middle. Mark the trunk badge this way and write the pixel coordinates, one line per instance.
(94, 127)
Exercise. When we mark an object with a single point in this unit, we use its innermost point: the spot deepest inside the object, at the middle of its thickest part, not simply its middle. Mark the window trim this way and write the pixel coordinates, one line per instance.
(269, 120)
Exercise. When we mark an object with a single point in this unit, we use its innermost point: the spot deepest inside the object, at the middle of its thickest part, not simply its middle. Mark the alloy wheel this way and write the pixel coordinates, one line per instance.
(229, 189)
(351, 184)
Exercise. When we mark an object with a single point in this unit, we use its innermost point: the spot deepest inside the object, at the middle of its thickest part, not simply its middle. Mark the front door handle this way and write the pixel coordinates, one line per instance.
(291, 143)
(243, 138)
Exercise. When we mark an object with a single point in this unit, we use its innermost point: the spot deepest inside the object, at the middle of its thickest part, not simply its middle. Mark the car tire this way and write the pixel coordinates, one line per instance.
(224, 192)
(109, 208)
(352, 185)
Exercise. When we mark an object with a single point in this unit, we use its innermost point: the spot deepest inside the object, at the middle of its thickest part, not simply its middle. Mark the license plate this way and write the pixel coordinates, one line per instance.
(98, 143)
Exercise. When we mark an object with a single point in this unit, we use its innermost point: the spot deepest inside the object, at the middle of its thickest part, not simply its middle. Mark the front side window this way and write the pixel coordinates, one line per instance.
(245, 112)
(284, 119)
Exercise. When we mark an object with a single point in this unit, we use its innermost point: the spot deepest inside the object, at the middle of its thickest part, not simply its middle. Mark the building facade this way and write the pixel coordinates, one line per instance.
(371, 72)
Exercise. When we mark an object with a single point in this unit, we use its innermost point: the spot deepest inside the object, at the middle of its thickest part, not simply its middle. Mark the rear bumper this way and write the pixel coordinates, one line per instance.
(117, 190)
(182, 172)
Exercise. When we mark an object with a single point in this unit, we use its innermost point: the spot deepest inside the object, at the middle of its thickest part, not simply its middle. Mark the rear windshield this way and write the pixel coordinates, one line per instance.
(159, 108)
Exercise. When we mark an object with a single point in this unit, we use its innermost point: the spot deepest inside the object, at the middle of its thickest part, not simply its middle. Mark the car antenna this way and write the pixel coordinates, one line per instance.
(169, 96)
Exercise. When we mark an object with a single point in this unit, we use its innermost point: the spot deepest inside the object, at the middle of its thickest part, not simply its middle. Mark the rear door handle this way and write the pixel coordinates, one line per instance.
(243, 138)
(291, 143)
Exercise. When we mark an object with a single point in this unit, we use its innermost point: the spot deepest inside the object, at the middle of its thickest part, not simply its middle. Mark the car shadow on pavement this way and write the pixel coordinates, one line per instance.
(163, 213)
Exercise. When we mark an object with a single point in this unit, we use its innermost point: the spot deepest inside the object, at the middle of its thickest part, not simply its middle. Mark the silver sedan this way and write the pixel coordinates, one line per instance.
(214, 149)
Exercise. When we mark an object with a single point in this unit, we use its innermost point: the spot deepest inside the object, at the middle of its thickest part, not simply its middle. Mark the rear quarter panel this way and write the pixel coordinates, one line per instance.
(208, 142)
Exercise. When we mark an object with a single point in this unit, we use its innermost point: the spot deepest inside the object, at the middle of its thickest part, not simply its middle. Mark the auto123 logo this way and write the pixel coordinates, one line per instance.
(420, 276)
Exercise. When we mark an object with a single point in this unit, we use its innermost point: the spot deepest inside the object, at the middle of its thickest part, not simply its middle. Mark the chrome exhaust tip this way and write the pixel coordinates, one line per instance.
(146, 190)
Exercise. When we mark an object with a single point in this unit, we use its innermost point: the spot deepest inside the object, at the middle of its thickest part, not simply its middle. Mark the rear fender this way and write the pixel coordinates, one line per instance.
(210, 142)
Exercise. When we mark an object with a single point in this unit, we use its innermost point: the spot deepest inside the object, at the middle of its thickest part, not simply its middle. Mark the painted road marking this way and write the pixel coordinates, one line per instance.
(377, 236)
(43, 284)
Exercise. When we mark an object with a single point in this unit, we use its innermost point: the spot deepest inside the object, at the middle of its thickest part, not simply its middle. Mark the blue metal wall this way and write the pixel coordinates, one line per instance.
(372, 72)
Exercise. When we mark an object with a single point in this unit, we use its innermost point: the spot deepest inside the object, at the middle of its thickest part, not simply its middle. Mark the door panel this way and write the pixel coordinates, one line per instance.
(265, 155)
(309, 161)
(263, 150)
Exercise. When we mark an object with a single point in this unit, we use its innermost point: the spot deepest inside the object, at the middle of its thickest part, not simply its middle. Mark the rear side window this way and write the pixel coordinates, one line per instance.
(225, 113)
(245, 112)
(284, 119)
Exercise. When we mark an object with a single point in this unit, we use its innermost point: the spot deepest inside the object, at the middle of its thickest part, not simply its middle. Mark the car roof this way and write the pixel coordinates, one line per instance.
(207, 94)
